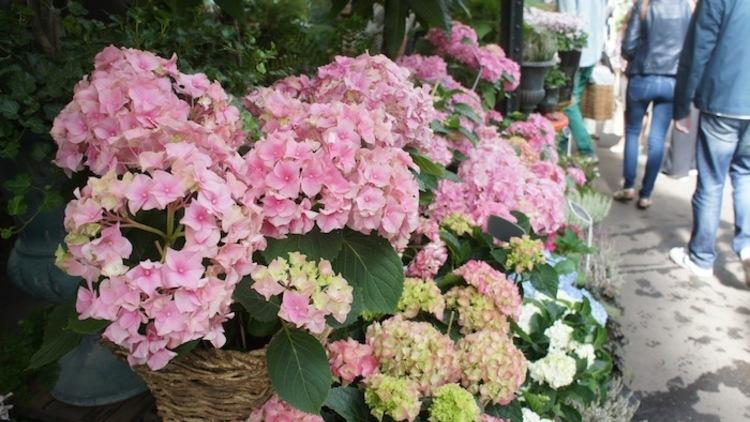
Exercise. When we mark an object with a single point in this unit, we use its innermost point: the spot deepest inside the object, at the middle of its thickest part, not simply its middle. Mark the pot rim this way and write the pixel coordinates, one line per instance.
(548, 63)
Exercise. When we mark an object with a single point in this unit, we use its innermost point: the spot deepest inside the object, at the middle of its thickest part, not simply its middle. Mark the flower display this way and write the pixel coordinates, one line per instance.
(476, 311)
(462, 45)
(428, 260)
(414, 350)
(350, 359)
(310, 291)
(493, 284)
(524, 253)
(453, 404)
(133, 105)
(491, 366)
(421, 295)
(568, 28)
(183, 290)
(556, 369)
(276, 410)
(392, 396)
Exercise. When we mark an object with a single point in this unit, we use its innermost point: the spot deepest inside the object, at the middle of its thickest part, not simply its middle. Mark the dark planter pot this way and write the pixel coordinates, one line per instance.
(550, 101)
(90, 375)
(531, 90)
(569, 61)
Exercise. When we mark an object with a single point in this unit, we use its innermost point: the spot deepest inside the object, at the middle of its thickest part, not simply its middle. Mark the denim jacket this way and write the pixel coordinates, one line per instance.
(714, 68)
(652, 45)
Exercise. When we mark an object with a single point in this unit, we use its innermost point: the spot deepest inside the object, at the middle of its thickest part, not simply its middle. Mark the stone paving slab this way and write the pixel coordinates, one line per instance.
(688, 340)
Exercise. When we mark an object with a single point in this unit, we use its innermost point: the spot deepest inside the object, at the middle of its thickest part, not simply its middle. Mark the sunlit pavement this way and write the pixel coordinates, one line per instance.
(688, 340)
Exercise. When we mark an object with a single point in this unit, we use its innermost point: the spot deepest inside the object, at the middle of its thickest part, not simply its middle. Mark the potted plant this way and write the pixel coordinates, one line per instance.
(539, 48)
(553, 81)
(571, 38)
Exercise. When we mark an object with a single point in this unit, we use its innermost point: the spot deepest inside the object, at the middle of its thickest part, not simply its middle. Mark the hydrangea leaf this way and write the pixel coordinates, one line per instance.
(298, 368)
(349, 403)
(314, 245)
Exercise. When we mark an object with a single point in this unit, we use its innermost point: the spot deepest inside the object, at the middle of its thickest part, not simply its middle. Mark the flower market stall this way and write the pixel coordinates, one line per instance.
(365, 240)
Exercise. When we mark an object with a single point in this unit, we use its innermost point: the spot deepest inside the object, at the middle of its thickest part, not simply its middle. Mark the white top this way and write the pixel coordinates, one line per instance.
(594, 14)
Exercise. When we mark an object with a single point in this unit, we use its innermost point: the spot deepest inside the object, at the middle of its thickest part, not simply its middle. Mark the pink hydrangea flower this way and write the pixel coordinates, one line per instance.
(350, 360)
(277, 410)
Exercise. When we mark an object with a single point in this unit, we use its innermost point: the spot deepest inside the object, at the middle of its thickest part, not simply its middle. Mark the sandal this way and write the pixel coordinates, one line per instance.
(644, 203)
(624, 195)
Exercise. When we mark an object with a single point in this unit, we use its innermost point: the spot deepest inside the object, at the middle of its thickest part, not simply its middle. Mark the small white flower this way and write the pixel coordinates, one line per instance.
(559, 336)
(530, 416)
(584, 351)
(556, 369)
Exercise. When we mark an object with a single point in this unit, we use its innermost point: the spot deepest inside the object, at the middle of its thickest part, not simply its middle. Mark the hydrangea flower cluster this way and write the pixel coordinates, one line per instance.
(180, 293)
(334, 153)
(475, 311)
(415, 350)
(462, 45)
(453, 404)
(491, 366)
(392, 396)
(493, 284)
(350, 360)
(277, 410)
(428, 260)
(524, 253)
(311, 291)
(429, 69)
(496, 182)
(421, 295)
(577, 175)
(458, 224)
(538, 131)
(556, 369)
(559, 335)
(530, 416)
(134, 104)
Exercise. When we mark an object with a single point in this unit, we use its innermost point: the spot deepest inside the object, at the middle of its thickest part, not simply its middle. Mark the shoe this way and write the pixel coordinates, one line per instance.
(644, 203)
(745, 257)
(681, 258)
(624, 195)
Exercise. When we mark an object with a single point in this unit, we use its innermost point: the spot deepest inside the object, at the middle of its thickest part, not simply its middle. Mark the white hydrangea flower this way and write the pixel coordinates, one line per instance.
(584, 351)
(530, 416)
(527, 312)
(559, 335)
(556, 369)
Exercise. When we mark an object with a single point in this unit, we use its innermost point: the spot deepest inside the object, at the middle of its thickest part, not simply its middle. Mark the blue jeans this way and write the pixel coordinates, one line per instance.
(642, 91)
(723, 147)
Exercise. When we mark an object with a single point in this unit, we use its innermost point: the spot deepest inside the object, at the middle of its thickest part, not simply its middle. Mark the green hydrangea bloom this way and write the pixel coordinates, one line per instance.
(421, 295)
(453, 404)
(458, 223)
(524, 253)
(395, 397)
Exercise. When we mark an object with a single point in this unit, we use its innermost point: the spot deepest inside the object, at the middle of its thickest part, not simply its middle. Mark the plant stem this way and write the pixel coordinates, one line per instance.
(170, 225)
(242, 330)
(450, 323)
(134, 224)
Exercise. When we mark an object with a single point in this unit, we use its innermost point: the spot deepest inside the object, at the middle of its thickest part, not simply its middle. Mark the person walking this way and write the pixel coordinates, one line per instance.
(714, 73)
(652, 46)
(594, 14)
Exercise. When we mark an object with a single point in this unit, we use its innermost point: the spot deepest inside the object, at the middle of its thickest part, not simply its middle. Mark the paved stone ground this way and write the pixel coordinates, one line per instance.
(688, 341)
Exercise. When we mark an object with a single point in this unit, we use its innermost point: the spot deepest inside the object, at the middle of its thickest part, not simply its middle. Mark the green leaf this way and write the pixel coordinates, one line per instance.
(8, 108)
(314, 245)
(469, 135)
(186, 348)
(438, 127)
(500, 255)
(566, 266)
(58, 341)
(434, 13)
(6, 232)
(254, 303)
(369, 263)
(539, 403)
(16, 205)
(88, 326)
(298, 368)
(467, 111)
(394, 26)
(426, 165)
(349, 403)
(257, 328)
(19, 184)
(545, 279)
(233, 8)
(489, 98)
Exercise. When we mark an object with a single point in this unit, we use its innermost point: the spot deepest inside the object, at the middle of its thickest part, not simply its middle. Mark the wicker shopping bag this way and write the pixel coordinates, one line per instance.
(598, 102)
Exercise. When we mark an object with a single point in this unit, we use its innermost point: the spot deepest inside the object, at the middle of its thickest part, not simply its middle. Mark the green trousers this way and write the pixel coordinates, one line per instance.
(575, 119)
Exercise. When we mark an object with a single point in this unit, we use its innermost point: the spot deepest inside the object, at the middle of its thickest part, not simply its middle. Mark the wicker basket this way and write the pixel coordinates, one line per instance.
(598, 102)
(208, 385)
